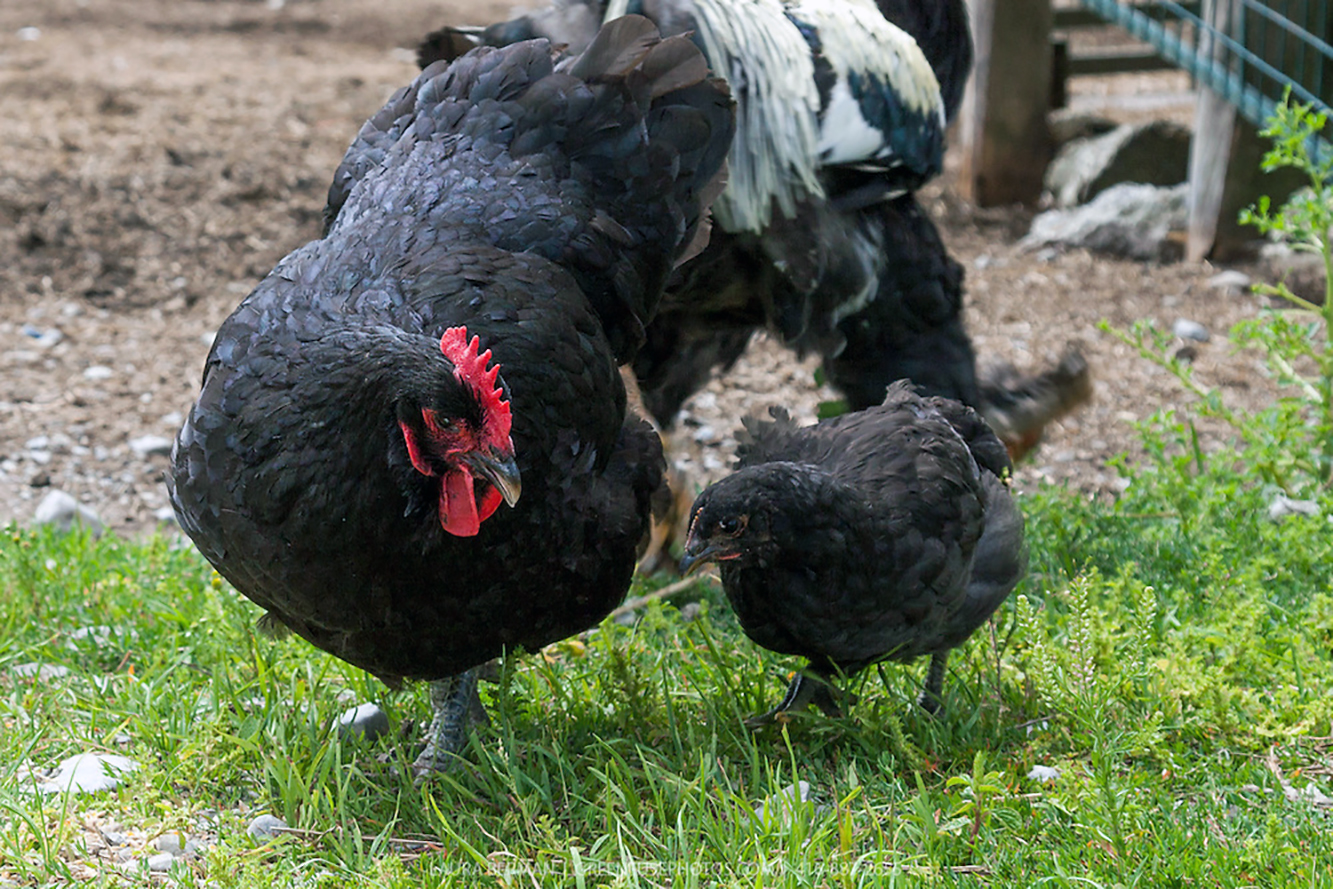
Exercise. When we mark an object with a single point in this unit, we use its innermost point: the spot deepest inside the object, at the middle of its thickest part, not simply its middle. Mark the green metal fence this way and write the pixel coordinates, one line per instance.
(1250, 51)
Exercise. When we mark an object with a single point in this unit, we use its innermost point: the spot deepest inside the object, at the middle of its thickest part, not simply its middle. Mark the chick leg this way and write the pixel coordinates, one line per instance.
(932, 696)
(803, 691)
(457, 707)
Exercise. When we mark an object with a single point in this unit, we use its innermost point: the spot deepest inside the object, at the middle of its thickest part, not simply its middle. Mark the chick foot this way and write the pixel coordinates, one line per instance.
(457, 708)
(801, 693)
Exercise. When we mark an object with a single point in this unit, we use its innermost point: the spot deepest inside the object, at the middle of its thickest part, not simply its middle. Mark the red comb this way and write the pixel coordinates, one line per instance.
(470, 367)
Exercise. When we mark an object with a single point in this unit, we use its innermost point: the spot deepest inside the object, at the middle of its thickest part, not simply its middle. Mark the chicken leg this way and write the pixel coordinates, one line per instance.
(457, 708)
(803, 690)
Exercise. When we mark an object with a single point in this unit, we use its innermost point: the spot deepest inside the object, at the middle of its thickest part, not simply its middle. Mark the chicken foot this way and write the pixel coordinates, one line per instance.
(457, 708)
(802, 691)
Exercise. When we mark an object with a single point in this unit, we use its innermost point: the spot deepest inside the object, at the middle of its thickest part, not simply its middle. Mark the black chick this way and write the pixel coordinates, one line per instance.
(885, 534)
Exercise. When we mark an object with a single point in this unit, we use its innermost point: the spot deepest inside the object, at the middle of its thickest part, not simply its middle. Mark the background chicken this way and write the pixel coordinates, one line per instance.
(842, 106)
(497, 238)
(886, 534)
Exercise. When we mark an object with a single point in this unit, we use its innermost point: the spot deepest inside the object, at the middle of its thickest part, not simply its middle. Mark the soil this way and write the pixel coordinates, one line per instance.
(160, 156)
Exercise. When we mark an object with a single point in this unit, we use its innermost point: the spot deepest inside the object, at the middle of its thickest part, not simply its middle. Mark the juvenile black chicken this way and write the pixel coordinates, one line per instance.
(885, 534)
(497, 237)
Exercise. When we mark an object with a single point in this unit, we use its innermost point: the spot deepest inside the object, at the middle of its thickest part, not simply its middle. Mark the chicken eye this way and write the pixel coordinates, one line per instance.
(731, 525)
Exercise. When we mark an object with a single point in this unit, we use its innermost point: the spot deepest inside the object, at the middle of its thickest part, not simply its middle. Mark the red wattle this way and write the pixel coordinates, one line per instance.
(458, 504)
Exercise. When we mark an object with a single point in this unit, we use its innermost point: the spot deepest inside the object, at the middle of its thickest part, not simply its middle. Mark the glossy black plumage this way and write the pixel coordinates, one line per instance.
(885, 534)
(542, 208)
(858, 273)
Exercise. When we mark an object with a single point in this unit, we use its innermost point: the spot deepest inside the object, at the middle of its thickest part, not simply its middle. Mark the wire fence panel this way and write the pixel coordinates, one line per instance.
(1249, 51)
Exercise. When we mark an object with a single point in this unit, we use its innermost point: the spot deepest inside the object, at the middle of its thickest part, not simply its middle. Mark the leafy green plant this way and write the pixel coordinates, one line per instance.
(1290, 443)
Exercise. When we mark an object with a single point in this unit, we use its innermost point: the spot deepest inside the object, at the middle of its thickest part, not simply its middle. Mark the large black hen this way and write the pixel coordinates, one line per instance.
(885, 534)
(841, 112)
(497, 237)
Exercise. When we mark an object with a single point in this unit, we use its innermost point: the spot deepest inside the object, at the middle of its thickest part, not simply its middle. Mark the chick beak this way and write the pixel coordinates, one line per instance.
(500, 470)
(697, 554)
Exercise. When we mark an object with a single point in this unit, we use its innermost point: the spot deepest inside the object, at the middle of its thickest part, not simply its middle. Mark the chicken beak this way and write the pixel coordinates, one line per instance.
(696, 556)
(500, 470)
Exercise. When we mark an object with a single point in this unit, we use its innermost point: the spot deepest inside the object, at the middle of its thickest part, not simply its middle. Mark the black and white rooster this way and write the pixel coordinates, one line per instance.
(841, 113)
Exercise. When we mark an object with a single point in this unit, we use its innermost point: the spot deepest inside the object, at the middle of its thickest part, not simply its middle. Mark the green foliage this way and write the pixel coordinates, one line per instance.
(1289, 444)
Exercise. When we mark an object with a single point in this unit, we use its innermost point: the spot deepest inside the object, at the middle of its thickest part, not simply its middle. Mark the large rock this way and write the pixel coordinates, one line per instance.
(1155, 153)
(1127, 220)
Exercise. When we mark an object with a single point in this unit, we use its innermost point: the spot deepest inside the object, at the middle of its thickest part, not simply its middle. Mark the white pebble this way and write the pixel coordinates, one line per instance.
(151, 445)
(29, 34)
(1044, 773)
(89, 773)
(1190, 330)
(98, 372)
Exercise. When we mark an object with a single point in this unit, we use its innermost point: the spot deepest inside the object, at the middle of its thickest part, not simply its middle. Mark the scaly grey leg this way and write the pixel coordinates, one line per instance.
(932, 696)
(803, 691)
(457, 706)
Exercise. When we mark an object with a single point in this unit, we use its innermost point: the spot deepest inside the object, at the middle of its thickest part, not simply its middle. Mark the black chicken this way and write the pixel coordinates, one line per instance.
(842, 107)
(885, 534)
(497, 237)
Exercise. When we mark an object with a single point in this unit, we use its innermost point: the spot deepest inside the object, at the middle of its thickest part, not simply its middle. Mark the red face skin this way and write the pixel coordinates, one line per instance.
(465, 499)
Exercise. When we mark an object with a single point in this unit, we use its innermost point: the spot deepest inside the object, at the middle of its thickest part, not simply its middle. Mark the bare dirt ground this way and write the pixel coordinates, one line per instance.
(159, 156)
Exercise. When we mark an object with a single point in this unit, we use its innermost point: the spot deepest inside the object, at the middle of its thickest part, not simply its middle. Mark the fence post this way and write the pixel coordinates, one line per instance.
(1225, 153)
(1003, 137)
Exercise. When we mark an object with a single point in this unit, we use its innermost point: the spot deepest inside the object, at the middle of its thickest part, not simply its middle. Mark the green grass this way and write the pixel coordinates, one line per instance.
(1172, 655)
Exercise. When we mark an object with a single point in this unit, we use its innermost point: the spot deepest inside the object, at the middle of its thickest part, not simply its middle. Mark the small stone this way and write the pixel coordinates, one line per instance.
(89, 773)
(40, 480)
(780, 807)
(1190, 330)
(1231, 281)
(38, 443)
(365, 721)
(43, 672)
(41, 458)
(98, 372)
(1282, 507)
(705, 434)
(1044, 773)
(265, 828)
(29, 34)
(61, 511)
(161, 862)
(171, 842)
(690, 611)
(165, 515)
(173, 420)
(113, 837)
(151, 445)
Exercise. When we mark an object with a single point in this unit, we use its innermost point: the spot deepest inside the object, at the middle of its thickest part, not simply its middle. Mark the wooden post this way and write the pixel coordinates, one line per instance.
(1004, 141)
(1224, 174)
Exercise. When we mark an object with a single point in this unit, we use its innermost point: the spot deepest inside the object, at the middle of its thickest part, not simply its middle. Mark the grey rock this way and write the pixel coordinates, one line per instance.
(161, 862)
(171, 842)
(1067, 124)
(61, 511)
(705, 434)
(41, 458)
(364, 721)
(780, 808)
(38, 443)
(690, 611)
(43, 672)
(1282, 507)
(29, 33)
(165, 515)
(265, 827)
(113, 837)
(151, 445)
(1155, 153)
(1190, 330)
(1126, 220)
(88, 773)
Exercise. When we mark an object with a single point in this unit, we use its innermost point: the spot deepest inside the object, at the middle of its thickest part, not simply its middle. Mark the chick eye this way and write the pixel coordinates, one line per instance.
(731, 525)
